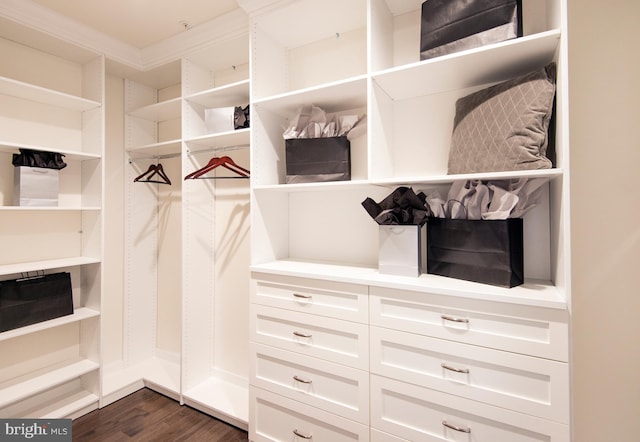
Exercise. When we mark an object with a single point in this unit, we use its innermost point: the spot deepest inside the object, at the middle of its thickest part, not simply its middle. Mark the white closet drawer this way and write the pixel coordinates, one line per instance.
(276, 418)
(421, 414)
(518, 328)
(335, 388)
(326, 298)
(331, 339)
(535, 386)
(380, 436)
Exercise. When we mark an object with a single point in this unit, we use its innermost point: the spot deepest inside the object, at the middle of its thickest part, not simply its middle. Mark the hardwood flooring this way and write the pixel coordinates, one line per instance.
(149, 416)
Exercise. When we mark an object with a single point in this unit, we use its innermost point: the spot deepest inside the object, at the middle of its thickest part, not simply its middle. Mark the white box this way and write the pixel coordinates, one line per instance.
(35, 186)
(401, 250)
(219, 119)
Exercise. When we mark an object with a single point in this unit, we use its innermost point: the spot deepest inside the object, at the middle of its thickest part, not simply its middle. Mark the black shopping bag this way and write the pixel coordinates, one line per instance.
(486, 251)
(30, 300)
(454, 25)
(312, 160)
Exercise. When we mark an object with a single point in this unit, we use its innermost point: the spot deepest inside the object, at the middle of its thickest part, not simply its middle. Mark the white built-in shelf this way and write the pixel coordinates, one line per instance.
(79, 314)
(162, 111)
(171, 147)
(49, 208)
(224, 140)
(68, 406)
(532, 292)
(234, 94)
(38, 94)
(221, 398)
(161, 372)
(30, 386)
(9, 147)
(331, 97)
(33, 266)
(549, 174)
(473, 67)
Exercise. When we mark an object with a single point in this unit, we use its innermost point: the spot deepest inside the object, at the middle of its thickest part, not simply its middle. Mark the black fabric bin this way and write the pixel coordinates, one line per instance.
(30, 300)
(486, 251)
(318, 159)
(449, 26)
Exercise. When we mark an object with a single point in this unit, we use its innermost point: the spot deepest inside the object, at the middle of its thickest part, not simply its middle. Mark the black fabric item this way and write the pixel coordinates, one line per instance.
(318, 159)
(31, 300)
(402, 206)
(38, 158)
(241, 117)
(453, 25)
(486, 251)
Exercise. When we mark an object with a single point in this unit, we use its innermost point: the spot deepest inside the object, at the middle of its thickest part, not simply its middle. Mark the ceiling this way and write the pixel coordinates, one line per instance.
(141, 23)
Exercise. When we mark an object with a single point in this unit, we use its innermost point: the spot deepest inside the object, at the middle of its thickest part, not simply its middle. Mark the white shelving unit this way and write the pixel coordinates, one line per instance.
(187, 244)
(52, 100)
(319, 231)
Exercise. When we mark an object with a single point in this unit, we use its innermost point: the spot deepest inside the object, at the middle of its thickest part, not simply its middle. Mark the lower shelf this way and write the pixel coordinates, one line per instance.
(222, 399)
(32, 385)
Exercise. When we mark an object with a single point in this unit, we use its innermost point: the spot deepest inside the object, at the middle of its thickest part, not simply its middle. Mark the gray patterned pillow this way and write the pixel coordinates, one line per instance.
(504, 127)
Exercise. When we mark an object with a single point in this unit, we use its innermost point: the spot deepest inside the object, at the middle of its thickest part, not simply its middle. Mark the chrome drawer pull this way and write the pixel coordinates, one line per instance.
(302, 335)
(301, 296)
(456, 427)
(454, 319)
(302, 435)
(299, 379)
(457, 370)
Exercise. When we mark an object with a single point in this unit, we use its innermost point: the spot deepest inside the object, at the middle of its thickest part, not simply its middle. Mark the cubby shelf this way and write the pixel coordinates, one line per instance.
(79, 314)
(43, 95)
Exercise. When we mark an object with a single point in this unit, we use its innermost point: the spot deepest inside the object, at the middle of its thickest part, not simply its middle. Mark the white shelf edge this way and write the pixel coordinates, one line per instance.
(78, 315)
(302, 95)
(408, 181)
(239, 89)
(162, 148)
(43, 95)
(43, 382)
(221, 140)
(161, 111)
(32, 266)
(50, 208)
(68, 406)
(11, 147)
(532, 292)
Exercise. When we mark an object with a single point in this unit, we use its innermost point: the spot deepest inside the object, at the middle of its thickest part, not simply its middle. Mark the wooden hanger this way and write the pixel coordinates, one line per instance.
(214, 162)
(154, 169)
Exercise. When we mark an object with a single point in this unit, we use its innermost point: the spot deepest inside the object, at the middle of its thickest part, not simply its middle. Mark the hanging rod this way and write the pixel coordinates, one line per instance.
(155, 157)
(217, 149)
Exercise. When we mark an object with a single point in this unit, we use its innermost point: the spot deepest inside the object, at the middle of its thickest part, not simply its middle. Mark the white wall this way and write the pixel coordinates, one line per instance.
(605, 210)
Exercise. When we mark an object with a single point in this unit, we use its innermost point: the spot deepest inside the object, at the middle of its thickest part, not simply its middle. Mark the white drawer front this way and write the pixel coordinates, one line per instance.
(523, 383)
(523, 329)
(421, 414)
(276, 418)
(326, 298)
(335, 388)
(331, 339)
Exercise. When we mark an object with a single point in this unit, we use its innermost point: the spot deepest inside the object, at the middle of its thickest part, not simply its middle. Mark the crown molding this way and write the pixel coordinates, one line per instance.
(51, 23)
(34, 16)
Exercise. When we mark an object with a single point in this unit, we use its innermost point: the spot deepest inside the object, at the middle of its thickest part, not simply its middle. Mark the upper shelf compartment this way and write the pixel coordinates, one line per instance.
(395, 27)
(308, 43)
(38, 94)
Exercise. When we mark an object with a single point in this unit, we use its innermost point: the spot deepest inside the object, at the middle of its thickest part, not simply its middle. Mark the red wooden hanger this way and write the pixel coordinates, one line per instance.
(214, 162)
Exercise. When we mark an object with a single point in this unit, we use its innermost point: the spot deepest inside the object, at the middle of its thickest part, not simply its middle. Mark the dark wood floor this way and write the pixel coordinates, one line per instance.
(149, 416)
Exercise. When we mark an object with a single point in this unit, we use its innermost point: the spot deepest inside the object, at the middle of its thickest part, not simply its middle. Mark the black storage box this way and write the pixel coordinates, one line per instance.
(312, 160)
(30, 300)
(449, 26)
(486, 251)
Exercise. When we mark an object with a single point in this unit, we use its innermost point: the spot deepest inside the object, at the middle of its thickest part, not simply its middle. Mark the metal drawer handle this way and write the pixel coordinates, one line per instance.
(301, 296)
(299, 379)
(301, 434)
(456, 427)
(454, 319)
(302, 335)
(457, 370)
